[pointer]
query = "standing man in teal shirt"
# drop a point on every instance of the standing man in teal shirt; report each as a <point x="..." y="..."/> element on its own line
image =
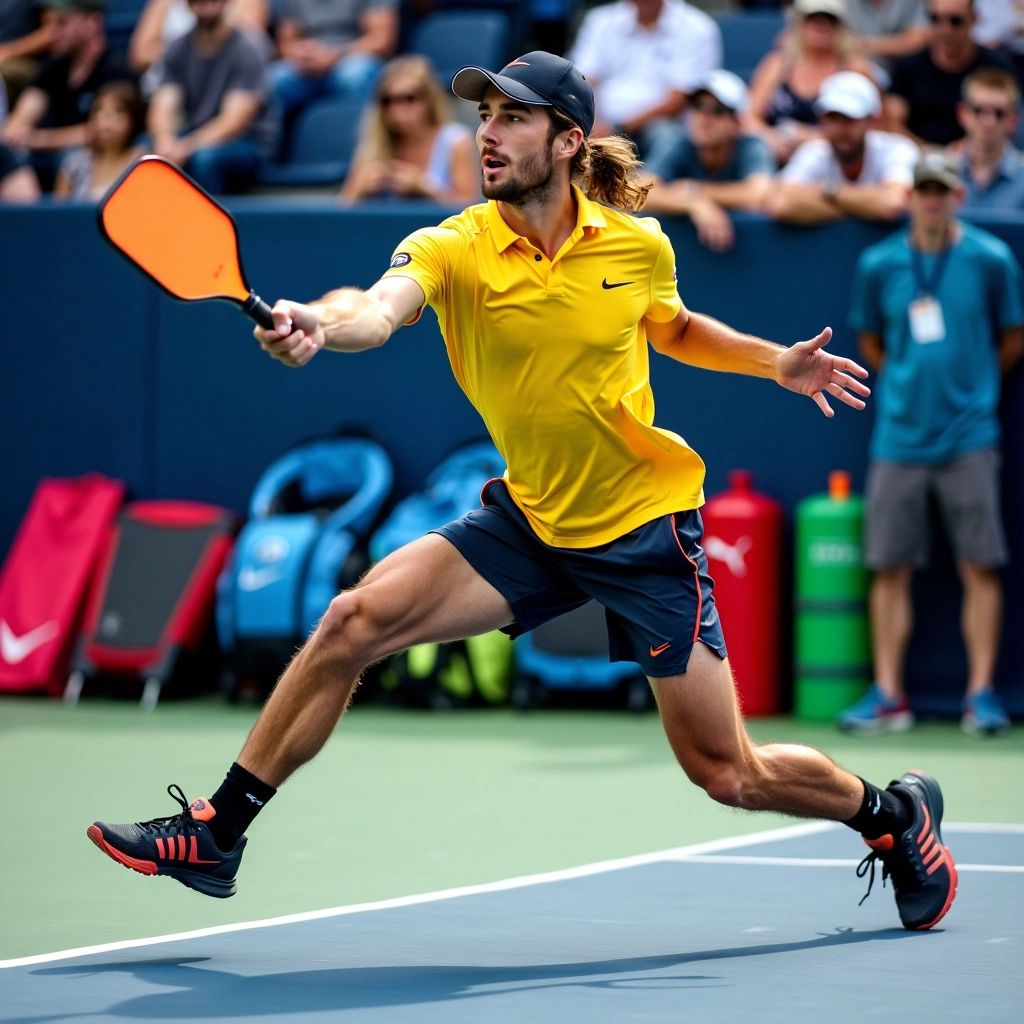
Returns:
<point x="938" y="309"/>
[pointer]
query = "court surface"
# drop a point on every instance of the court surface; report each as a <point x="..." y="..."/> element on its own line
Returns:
<point x="764" y="927"/>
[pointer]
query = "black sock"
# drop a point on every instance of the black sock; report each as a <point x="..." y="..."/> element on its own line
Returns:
<point x="880" y="813"/>
<point x="240" y="798"/>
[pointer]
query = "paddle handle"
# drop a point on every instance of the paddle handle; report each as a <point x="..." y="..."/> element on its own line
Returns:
<point x="256" y="309"/>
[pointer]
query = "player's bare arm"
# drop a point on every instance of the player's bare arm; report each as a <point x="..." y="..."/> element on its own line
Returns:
<point x="344" y="320"/>
<point x="804" y="367"/>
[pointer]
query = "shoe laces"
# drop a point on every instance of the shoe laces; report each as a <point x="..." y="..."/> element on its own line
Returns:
<point x="173" y="822"/>
<point x="868" y="865"/>
<point x="904" y="873"/>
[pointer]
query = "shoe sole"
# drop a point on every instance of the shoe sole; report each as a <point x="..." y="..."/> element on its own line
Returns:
<point x="935" y="806"/>
<point x="191" y="880"/>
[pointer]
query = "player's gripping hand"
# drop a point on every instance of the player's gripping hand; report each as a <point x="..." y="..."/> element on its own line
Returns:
<point x="808" y="370"/>
<point x="297" y="336"/>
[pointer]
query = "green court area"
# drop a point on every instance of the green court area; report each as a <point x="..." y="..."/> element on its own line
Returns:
<point x="399" y="803"/>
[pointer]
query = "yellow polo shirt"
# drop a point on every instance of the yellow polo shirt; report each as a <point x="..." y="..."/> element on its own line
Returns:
<point x="553" y="355"/>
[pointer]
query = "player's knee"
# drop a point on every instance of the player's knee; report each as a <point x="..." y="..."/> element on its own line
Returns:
<point x="345" y="633"/>
<point x="720" y="780"/>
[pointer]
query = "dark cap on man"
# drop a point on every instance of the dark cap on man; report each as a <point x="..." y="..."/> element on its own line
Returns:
<point x="86" y="6"/>
<point x="538" y="79"/>
<point x="937" y="168"/>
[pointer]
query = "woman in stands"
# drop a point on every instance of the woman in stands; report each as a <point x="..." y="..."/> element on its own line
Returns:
<point x="409" y="146"/>
<point x="786" y="82"/>
<point x="116" y="119"/>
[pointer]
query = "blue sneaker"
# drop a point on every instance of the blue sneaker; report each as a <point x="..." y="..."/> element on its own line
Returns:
<point x="984" y="714"/>
<point x="875" y="712"/>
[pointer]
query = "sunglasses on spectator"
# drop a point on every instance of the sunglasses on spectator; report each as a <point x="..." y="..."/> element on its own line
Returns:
<point x="953" y="20"/>
<point x="978" y="109"/>
<point x="400" y="97"/>
<point x="711" y="107"/>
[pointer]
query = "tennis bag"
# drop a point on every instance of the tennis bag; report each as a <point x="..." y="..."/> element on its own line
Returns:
<point x="310" y="515"/>
<point x="472" y="671"/>
<point x="569" y="655"/>
<point x="45" y="579"/>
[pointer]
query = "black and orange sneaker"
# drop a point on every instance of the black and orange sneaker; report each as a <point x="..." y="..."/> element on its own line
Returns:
<point x="180" y="846"/>
<point x="923" y="874"/>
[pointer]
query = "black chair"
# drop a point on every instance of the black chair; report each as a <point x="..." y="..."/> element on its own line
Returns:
<point x="323" y="139"/>
<point x="453" y="39"/>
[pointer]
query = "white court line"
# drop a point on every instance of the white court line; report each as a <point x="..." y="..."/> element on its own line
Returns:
<point x="826" y="862"/>
<point x="681" y="853"/>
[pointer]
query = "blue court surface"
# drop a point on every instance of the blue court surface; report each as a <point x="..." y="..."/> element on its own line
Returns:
<point x="763" y="928"/>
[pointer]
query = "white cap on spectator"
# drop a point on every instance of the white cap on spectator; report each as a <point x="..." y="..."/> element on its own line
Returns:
<point x="849" y="93"/>
<point x="837" y="8"/>
<point x="726" y="87"/>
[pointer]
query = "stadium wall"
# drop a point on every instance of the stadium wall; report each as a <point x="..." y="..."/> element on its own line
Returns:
<point x="104" y="373"/>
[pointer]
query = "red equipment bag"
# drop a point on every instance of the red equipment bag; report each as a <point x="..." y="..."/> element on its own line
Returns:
<point x="742" y="540"/>
<point x="151" y="602"/>
<point x="44" y="579"/>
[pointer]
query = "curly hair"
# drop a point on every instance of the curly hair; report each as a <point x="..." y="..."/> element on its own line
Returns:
<point x="606" y="169"/>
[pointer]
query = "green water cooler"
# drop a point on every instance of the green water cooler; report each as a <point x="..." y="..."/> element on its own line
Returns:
<point x="832" y="647"/>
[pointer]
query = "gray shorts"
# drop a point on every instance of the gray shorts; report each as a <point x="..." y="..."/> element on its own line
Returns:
<point x="966" y="492"/>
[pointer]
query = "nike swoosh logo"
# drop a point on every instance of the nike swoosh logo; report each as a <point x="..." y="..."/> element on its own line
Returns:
<point x="660" y="649"/>
<point x="15" y="649"/>
<point x="257" y="579"/>
<point x="618" y="284"/>
<point x="516" y="64"/>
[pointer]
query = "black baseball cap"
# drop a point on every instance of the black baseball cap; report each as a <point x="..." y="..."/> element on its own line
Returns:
<point x="537" y="78"/>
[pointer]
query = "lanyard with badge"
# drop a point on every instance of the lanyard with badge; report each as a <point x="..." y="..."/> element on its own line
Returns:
<point x="927" y="324"/>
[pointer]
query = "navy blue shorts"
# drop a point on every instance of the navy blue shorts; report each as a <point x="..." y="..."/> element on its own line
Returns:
<point x="653" y="581"/>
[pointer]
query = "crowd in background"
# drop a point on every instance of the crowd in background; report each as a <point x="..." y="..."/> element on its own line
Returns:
<point x="834" y="113"/>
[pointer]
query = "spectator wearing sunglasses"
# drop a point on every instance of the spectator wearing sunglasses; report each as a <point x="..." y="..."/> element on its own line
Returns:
<point x="991" y="165"/>
<point x="711" y="166"/>
<point x="409" y="145"/>
<point x="926" y="85"/>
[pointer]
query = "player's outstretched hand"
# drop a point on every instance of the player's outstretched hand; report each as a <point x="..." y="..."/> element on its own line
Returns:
<point x="809" y="370"/>
<point x="297" y="334"/>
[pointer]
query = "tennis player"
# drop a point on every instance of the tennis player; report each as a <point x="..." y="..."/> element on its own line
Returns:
<point x="548" y="296"/>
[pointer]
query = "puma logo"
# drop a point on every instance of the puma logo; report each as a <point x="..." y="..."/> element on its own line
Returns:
<point x="732" y="554"/>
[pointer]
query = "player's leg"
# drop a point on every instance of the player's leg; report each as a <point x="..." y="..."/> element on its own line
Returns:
<point x="425" y="592"/>
<point x="900" y="824"/>
<point x="702" y="721"/>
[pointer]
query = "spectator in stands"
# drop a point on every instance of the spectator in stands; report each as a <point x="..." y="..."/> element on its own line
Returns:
<point x="888" y="29"/>
<point x="855" y="170"/>
<point x="409" y="145"/>
<point x="331" y="48"/>
<point x="786" y="83"/>
<point x="938" y="312"/>
<point x="163" y="21"/>
<point x="115" y="122"/>
<point x="24" y="41"/>
<point x="643" y="58"/>
<point x="1000" y="26"/>
<point x="50" y="114"/>
<point x="926" y="85"/>
<point x="990" y="164"/>
<point x="18" y="183"/>
<point x="711" y="167"/>
<point x="209" y="112"/>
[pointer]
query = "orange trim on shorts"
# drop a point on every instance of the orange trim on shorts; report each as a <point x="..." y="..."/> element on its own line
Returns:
<point x="696" y="579"/>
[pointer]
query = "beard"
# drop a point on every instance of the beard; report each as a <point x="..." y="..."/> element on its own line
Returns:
<point x="533" y="180"/>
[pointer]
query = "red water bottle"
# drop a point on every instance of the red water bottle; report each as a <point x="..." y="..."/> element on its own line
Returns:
<point x="742" y="540"/>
